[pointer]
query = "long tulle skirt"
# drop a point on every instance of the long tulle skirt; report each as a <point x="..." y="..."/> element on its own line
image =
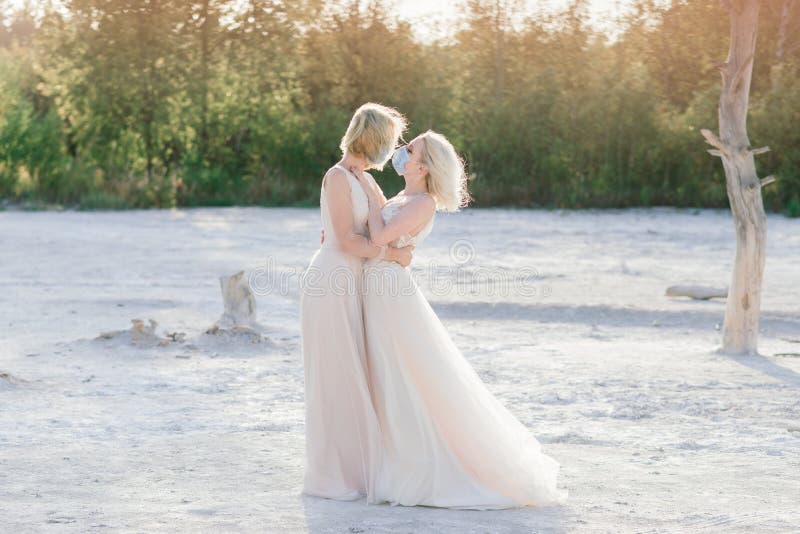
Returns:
<point x="447" y="441"/>
<point x="341" y="427"/>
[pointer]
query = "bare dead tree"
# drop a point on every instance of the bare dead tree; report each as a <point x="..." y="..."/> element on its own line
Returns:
<point x="740" y="328"/>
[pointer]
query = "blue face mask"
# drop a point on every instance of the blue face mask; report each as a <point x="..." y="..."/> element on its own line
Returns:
<point x="382" y="156"/>
<point x="399" y="160"/>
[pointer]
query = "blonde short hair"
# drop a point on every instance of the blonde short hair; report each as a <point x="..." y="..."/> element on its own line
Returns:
<point x="447" y="179"/>
<point x="373" y="133"/>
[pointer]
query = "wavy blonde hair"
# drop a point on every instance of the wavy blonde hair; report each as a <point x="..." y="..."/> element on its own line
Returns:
<point x="446" y="178"/>
<point x="373" y="133"/>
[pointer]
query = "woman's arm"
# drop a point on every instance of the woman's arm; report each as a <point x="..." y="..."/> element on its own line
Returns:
<point x="336" y="187"/>
<point x="411" y="216"/>
<point x="378" y="191"/>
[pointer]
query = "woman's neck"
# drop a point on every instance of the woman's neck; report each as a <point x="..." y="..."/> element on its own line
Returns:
<point x="350" y="160"/>
<point x="415" y="188"/>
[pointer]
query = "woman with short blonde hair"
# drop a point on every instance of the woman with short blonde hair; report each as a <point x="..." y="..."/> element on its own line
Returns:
<point x="373" y="133"/>
<point x="342" y="433"/>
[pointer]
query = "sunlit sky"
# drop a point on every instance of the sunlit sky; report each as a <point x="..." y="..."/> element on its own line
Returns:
<point x="432" y="19"/>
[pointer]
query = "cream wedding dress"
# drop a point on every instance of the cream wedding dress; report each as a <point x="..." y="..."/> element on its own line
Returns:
<point x="341" y="429"/>
<point x="447" y="441"/>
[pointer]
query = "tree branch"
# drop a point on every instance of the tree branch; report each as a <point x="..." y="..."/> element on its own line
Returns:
<point x="761" y="183"/>
<point x="757" y="151"/>
<point x="714" y="141"/>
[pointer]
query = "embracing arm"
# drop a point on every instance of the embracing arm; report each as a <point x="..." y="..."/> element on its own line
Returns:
<point x="411" y="216"/>
<point x="377" y="189"/>
<point x="337" y="188"/>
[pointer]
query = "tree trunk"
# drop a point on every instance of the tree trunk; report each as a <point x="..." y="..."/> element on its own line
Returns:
<point x="240" y="307"/>
<point x="740" y="328"/>
<point x="499" y="23"/>
<point x="205" y="28"/>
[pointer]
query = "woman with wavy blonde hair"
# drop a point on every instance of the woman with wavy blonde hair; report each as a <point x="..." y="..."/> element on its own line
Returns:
<point x="447" y="441"/>
<point x="342" y="434"/>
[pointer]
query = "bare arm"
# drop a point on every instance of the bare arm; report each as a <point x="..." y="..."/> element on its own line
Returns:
<point x="336" y="187"/>
<point x="378" y="191"/>
<point x="411" y="216"/>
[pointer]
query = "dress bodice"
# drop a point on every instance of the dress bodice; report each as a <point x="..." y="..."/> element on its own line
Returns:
<point x="391" y="208"/>
<point x="360" y="204"/>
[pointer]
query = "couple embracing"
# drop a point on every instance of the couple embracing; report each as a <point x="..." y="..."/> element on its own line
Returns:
<point x="393" y="410"/>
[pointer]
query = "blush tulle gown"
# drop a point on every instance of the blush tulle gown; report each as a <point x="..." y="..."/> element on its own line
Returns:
<point x="446" y="440"/>
<point x="341" y="428"/>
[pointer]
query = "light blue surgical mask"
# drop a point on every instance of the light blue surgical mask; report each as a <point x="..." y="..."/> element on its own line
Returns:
<point x="382" y="156"/>
<point x="399" y="160"/>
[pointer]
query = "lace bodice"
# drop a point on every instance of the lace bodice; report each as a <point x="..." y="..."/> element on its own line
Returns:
<point x="391" y="208"/>
<point x="360" y="204"/>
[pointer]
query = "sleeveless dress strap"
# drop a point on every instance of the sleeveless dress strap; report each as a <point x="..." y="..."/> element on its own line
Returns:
<point x="346" y="171"/>
<point x="350" y="176"/>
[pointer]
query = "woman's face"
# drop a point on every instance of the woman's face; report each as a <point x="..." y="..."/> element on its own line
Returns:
<point x="414" y="167"/>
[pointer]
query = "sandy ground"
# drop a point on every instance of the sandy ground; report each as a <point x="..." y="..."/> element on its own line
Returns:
<point x="655" y="431"/>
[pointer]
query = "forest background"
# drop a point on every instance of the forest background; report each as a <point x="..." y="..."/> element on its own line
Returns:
<point x="163" y="103"/>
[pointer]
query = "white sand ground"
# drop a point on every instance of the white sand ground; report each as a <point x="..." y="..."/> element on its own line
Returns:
<point x="655" y="431"/>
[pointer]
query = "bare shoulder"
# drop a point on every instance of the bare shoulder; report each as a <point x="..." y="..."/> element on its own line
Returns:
<point x="423" y="208"/>
<point x="336" y="177"/>
<point x="427" y="202"/>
